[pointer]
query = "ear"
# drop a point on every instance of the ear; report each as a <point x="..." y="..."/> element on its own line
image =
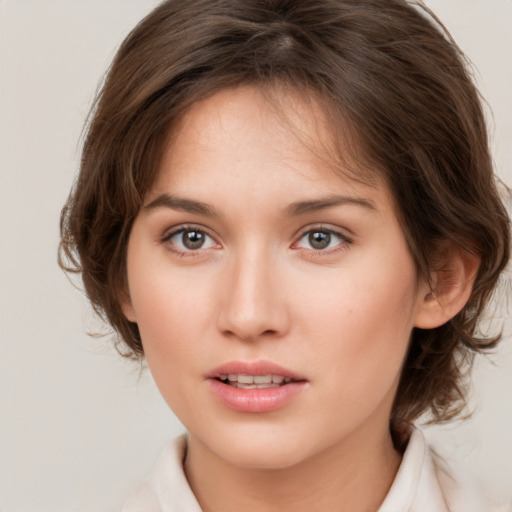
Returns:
<point x="452" y="284"/>
<point x="126" y="305"/>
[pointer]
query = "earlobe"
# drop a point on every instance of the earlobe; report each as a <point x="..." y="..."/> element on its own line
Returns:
<point x="452" y="284"/>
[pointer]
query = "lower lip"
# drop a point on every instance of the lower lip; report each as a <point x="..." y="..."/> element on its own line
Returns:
<point x="255" y="400"/>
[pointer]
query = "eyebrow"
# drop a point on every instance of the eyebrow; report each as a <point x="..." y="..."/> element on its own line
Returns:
<point x="183" y="204"/>
<point x="302" y="207"/>
<point x="295" y="209"/>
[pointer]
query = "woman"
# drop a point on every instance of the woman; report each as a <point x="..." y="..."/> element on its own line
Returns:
<point x="288" y="209"/>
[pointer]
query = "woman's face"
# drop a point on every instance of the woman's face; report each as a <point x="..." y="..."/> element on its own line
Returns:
<point x="253" y="264"/>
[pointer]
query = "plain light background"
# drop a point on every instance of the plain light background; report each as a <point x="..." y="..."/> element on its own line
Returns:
<point x="79" y="427"/>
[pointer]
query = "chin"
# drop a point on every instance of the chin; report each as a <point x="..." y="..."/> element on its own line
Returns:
<point x="260" y="449"/>
<point x="265" y="458"/>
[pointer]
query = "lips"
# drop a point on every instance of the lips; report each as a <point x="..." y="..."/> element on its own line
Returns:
<point x="255" y="387"/>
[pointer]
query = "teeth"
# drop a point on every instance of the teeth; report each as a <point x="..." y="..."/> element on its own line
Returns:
<point x="262" y="379"/>
<point x="254" y="381"/>
<point x="256" y="386"/>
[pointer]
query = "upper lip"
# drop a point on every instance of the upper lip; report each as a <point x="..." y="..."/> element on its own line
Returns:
<point x="261" y="367"/>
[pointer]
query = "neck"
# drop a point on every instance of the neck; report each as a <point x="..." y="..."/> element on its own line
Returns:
<point x="355" y="474"/>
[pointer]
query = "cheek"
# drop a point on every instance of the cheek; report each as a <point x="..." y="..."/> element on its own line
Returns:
<point x="170" y="325"/>
<point x="361" y="322"/>
<point x="165" y="301"/>
<point x="171" y="315"/>
<point x="169" y="307"/>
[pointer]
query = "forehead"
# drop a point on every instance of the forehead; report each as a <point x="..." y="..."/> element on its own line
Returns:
<point x="284" y="139"/>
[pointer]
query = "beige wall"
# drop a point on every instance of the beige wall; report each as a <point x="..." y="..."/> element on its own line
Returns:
<point x="78" y="427"/>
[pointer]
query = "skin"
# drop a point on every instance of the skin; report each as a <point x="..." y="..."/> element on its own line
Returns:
<point x="257" y="290"/>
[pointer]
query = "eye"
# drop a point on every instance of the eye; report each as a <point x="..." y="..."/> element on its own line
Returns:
<point x="322" y="239"/>
<point x="189" y="240"/>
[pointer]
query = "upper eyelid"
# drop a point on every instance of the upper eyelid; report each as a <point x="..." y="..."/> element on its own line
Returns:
<point x="184" y="252"/>
<point x="170" y="232"/>
<point x="344" y="244"/>
<point x="323" y="227"/>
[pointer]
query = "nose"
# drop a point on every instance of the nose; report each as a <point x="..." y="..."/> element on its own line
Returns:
<point x="253" y="303"/>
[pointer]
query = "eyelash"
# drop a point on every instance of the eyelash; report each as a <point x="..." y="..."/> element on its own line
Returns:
<point x="343" y="244"/>
<point x="182" y="229"/>
<point x="343" y="241"/>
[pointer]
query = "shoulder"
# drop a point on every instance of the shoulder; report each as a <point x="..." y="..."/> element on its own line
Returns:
<point x="166" y="489"/>
<point x="143" y="499"/>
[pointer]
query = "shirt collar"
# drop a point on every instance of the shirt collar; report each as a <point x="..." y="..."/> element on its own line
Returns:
<point x="416" y="487"/>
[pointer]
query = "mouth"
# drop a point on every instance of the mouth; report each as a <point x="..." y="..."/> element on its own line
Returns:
<point x="254" y="375"/>
<point x="256" y="386"/>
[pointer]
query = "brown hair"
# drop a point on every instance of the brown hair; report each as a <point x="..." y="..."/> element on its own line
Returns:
<point x="386" y="69"/>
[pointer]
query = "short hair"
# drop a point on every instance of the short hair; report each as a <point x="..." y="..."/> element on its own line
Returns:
<point x="386" y="71"/>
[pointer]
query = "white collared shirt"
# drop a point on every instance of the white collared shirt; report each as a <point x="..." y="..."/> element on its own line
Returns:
<point x="419" y="486"/>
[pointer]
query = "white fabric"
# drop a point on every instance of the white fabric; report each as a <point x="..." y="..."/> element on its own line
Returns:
<point x="419" y="486"/>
